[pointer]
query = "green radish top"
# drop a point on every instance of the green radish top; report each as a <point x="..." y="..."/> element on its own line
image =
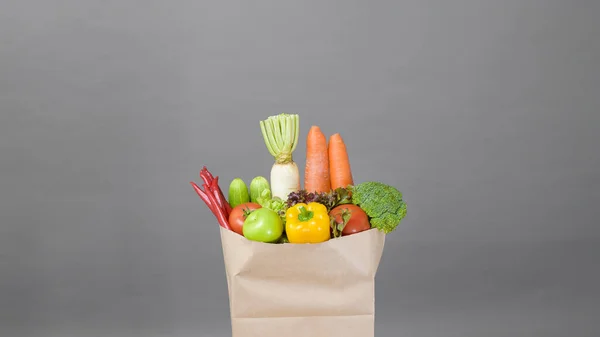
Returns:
<point x="257" y="186"/>
<point x="238" y="192"/>
<point x="280" y="133"/>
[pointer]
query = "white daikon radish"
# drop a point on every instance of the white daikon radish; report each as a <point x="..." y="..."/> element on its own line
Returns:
<point x="280" y="133"/>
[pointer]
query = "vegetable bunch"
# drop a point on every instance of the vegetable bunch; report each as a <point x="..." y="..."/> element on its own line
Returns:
<point x="329" y="205"/>
<point x="213" y="197"/>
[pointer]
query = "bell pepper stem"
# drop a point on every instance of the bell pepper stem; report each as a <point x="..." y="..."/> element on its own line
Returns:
<point x="305" y="215"/>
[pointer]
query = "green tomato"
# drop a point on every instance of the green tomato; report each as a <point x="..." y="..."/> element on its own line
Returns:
<point x="263" y="225"/>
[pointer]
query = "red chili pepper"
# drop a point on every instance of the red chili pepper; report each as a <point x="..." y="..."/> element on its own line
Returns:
<point x="202" y="195"/>
<point x="206" y="178"/>
<point x="216" y="190"/>
<point x="205" y="197"/>
<point x="212" y="189"/>
<point x="208" y="174"/>
<point x="219" y="213"/>
<point x="213" y="185"/>
<point x="213" y="196"/>
<point x="219" y="203"/>
<point x="228" y="208"/>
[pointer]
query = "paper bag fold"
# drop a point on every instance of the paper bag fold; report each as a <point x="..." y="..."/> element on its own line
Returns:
<point x="302" y="290"/>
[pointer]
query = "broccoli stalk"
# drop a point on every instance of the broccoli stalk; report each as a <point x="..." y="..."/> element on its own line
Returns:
<point x="382" y="203"/>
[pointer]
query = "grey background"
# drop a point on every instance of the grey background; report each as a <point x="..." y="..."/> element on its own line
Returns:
<point x="485" y="114"/>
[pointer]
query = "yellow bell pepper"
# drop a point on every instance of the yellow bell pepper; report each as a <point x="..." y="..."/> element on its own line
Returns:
<point x="307" y="223"/>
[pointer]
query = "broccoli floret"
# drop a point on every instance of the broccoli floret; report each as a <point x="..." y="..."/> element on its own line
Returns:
<point x="382" y="203"/>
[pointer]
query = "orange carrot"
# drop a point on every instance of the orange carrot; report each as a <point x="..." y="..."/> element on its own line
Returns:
<point x="339" y="163"/>
<point x="316" y="173"/>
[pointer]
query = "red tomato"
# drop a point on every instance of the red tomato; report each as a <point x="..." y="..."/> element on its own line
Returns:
<point x="359" y="221"/>
<point x="238" y="215"/>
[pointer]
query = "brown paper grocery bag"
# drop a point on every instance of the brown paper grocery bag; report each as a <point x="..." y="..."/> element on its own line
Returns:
<point x="302" y="290"/>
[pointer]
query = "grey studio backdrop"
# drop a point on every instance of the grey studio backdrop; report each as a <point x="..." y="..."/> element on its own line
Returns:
<point x="485" y="114"/>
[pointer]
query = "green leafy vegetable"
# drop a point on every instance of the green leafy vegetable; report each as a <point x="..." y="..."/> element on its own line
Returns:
<point x="276" y="204"/>
<point x="339" y="196"/>
<point x="382" y="203"/>
<point x="338" y="227"/>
